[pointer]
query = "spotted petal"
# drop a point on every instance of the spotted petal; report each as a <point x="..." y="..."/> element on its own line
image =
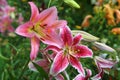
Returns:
<point x="66" y="36"/>
<point x="60" y="63"/>
<point x="76" y="39"/>
<point x="77" y="65"/>
<point x="34" y="48"/>
<point x="82" y="51"/>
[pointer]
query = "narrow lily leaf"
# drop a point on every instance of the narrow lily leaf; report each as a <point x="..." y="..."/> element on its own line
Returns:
<point x="3" y="57"/>
<point x="42" y="72"/>
<point x="103" y="47"/>
<point x="86" y="36"/>
<point x="72" y="3"/>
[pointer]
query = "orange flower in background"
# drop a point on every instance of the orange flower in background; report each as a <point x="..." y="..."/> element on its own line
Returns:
<point x="115" y="30"/>
<point x="109" y="14"/>
<point x="86" y="21"/>
<point x="118" y="2"/>
<point x="117" y="12"/>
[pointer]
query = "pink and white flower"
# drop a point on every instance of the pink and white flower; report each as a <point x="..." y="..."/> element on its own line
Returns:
<point x="45" y="64"/>
<point x="70" y="53"/>
<point x="83" y="77"/>
<point x="102" y="64"/>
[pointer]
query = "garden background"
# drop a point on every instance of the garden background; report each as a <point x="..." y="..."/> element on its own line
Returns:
<point x="15" y="50"/>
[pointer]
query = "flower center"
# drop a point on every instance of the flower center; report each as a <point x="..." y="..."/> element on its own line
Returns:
<point x="68" y="50"/>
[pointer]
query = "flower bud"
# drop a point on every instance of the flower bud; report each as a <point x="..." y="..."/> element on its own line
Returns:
<point x="72" y="3"/>
<point x="103" y="47"/>
<point x="86" y="36"/>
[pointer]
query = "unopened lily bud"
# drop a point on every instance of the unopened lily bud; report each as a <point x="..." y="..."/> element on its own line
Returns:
<point x="12" y="34"/>
<point x="104" y="63"/>
<point x="86" y="36"/>
<point x="103" y="47"/>
<point x="12" y="15"/>
<point x="72" y="3"/>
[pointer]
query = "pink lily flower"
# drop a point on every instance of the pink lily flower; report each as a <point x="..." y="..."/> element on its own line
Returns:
<point x="102" y="64"/>
<point x="70" y="52"/>
<point x="45" y="64"/>
<point x="3" y="3"/>
<point x="41" y="26"/>
<point x="82" y="77"/>
<point x="5" y="24"/>
<point x="8" y="10"/>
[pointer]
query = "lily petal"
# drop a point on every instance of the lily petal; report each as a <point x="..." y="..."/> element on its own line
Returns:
<point x="58" y="24"/>
<point x="10" y="29"/>
<point x="51" y="47"/>
<point x="66" y="36"/>
<point x="52" y="39"/>
<point x="82" y="51"/>
<point x="59" y="77"/>
<point x="98" y="76"/>
<point x="82" y="77"/>
<point x="34" y="11"/>
<point x="77" y="65"/>
<point x="60" y="63"/>
<point x="104" y="63"/>
<point x="42" y="62"/>
<point x="76" y="39"/>
<point x="79" y="77"/>
<point x="89" y="73"/>
<point x="48" y="16"/>
<point x="34" y="48"/>
<point x="24" y="30"/>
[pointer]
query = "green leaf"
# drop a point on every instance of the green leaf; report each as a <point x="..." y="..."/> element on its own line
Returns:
<point x="42" y="72"/>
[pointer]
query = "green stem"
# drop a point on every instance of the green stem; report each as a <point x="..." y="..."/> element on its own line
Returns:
<point x="49" y="3"/>
<point x="23" y="69"/>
